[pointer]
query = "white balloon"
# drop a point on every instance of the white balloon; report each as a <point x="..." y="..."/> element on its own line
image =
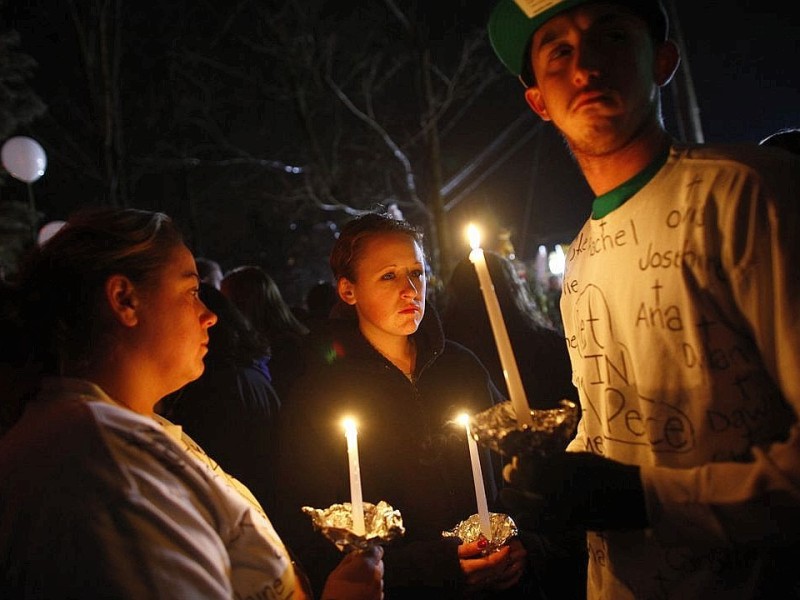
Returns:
<point x="48" y="230"/>
<point x="24" y="158"/>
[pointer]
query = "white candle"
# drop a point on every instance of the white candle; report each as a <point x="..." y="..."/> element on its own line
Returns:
<point x="356" y="501"/>
<point x="510" y="371"/>
<point x="477" y="476"/>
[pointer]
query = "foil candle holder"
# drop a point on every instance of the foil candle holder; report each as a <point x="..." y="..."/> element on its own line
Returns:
<point x="502" y="529"/>
<point x="550" y="430"/>
<point x="382" y="524"/>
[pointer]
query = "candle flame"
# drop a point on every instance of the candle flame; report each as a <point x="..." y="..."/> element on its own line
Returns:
<point x="349" y="425"/>
<point x="474" y="236"/>
<point x="463" y="419"/>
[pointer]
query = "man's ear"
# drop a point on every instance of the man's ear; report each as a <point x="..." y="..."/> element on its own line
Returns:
<point x="668" y="57"/>
<point x="534" y="99"/>
<point x="123" y="300"/>
<point x="346" y="292"/>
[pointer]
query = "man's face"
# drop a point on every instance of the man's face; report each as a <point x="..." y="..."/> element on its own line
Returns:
<point x="595" y="76"/>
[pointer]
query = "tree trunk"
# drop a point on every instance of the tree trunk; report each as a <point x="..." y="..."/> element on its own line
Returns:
<point x="687" y="112"/>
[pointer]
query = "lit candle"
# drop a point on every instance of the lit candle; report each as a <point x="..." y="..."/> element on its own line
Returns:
<point x="477" y="476"/>
<point x="510" y="371"/>
<point x="356" y="502"/>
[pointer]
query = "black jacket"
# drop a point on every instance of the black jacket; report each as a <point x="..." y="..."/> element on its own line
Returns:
<point x="412" y="454"/>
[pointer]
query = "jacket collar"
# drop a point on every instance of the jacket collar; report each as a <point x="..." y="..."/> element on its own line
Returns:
<point x="348" y="341"/>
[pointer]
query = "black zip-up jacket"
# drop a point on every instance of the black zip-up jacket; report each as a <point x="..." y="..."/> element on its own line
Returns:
<point x="412" y="455"/>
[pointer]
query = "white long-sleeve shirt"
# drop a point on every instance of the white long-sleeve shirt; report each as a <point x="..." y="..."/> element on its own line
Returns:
<point x="682" y="314"/>
<point x="98" y="501"/>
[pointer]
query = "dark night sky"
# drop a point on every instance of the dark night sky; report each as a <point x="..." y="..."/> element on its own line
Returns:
<point x="743" y="62"/>
<point x="742" y="58"/>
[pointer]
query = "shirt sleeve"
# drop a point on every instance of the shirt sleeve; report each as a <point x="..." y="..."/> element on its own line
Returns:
<point x="754" y="502"/>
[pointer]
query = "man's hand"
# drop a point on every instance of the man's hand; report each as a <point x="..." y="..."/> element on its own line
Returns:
<point x="574" y="490"/>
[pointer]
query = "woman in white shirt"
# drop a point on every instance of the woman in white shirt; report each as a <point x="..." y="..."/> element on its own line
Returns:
<point x="100" y="497"/>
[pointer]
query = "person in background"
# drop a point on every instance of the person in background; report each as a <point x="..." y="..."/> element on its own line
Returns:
<point x="320" y="299"/>
<point x="99" y="496"/>
<point x="231" y="410"/>
<point x="552" y="302"/>
<point x="540" y="351"/>
<point x="209" y="270"/>
<point x="681" y="305"/>
<point x="258" y="297"/>
<point x="383" y="360"/>
<point x="787" y="138"/>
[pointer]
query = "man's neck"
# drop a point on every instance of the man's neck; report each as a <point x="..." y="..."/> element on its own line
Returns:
<point x="605" y="172"/>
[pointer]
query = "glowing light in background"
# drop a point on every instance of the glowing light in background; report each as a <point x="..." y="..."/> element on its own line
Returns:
<point x="556" y="260"/>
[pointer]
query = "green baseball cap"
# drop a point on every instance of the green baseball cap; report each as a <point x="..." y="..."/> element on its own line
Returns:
<point x="513" y="22"/>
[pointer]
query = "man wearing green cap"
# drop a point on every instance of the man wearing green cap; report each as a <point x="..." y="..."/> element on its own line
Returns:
<point x="681" y="309"/>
